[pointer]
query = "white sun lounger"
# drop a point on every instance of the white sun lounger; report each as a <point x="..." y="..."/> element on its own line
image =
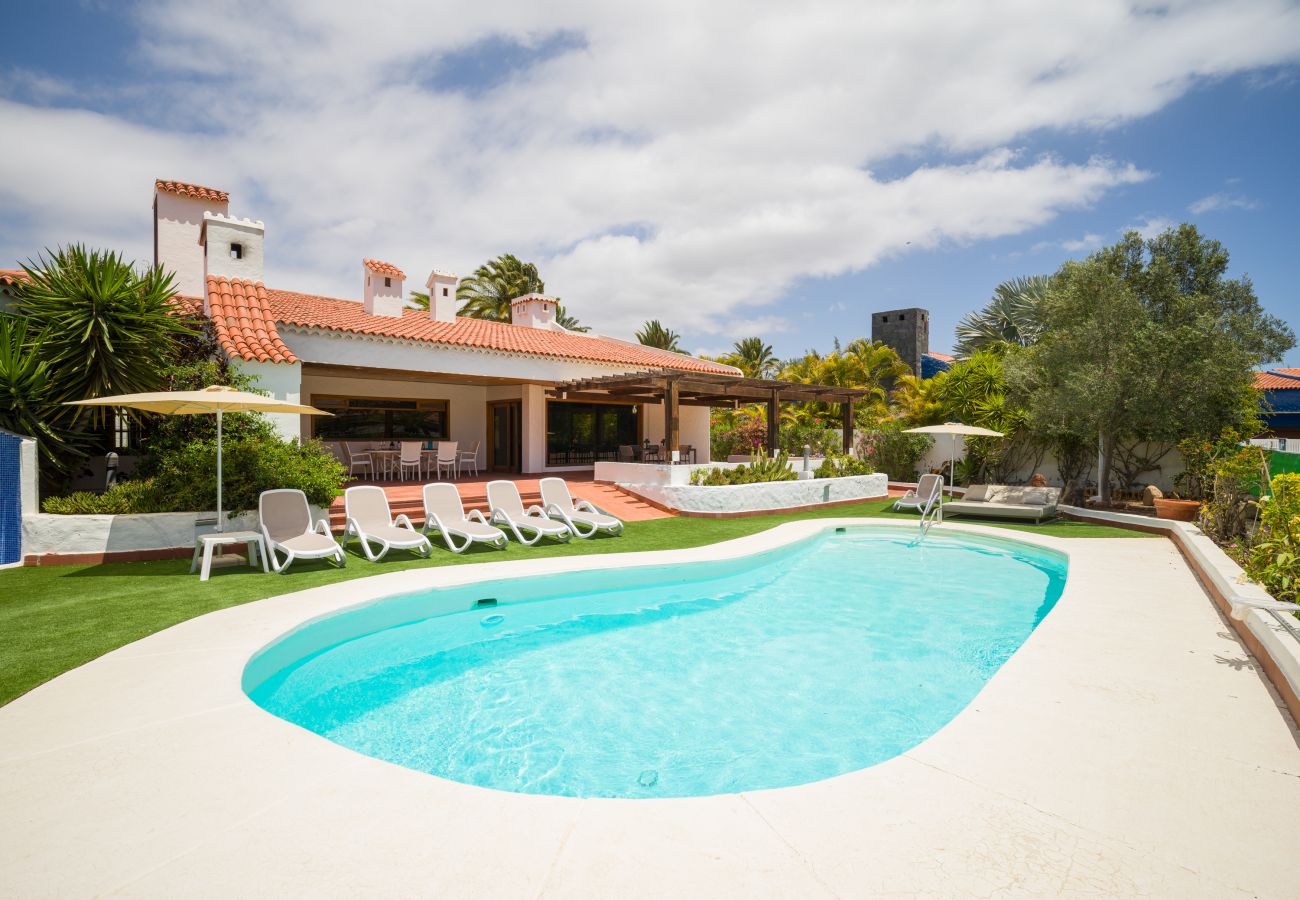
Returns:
<point x="285" y="520"/>
<point x="557" y="502"/>
<point x="444" y="511"/>
<point x="928" y="492"/>
<point x="508" y="509"/>
<point x="371" y="521"/>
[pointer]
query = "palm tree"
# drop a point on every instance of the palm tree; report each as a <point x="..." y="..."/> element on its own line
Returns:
<point x="654" y="334"/>
<point x="566" y="321"/>
<point x="418" y="299"/>
<point x="487" y="293"/>
<point x="753" y="357"/>
<point x="1013" y="317"/>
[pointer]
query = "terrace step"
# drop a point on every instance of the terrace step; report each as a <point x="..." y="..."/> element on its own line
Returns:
<point x="413" y="507"/>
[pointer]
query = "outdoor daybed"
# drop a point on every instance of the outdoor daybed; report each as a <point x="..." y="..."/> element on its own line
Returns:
<point x="1035" y="504"/>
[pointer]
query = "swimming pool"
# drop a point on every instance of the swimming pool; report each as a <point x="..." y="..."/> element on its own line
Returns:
<point x="823" y="657"/>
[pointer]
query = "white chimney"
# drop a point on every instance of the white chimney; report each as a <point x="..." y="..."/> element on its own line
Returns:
<point x="442" y="296"/>
<point x="178" y="210"/>
<point x="231" y="247"/>
<point x="534" y="311"/>
<point x="383" y="295"/>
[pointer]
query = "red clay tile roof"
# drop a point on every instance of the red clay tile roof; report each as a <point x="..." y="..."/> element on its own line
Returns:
<point x="244" y="325"/>
<point x="383" y="268"/>
<point x="197" y="191"/>
<point x="9" y="276"/>
<point x="942" y="356"/>
<point x="1278" y="380"/>
<point x="249" y="330"/>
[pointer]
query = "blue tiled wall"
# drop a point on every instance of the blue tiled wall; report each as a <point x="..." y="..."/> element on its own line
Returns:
<point x="11" y="510"/>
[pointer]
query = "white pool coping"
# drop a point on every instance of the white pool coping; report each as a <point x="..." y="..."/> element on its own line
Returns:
<point x="1129" y="747"/>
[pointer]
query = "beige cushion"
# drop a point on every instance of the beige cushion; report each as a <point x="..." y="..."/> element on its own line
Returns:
<point x="1036" y="496"/>
<point x="976" y="493"/>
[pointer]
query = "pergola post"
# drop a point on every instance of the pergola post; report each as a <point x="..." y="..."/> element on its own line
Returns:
<point x="773" y="423"/>
<point x="672" y="420"/>
<point x="846" y="413"/>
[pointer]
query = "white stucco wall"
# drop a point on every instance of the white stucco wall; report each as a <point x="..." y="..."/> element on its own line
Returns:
<point x="466" y="403"/>
<point x="534" y="428"/>
<point x="772" y="495"/>
<point x="693" y="427"/>
<point x="177" y="221"/>
<point x="284" y="382"/>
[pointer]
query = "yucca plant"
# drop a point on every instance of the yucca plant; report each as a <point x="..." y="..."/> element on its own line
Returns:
<point x="100" y="325"/>
<point x="27" y="406"/>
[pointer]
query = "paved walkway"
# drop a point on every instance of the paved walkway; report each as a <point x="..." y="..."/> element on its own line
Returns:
<point x="1129" y="748"/>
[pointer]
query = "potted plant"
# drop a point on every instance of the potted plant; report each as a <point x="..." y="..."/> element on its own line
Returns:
<point x="1176" y="509"/>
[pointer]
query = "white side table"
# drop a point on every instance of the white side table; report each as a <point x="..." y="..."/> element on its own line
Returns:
<point x="206" y="545"/>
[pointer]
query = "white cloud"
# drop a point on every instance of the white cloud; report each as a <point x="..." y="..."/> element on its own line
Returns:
<point x="680" y="160"/>
<point x="1222" y="201"/>
<point x="1151" y="226"/>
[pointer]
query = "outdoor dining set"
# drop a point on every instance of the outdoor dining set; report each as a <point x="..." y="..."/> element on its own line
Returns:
<point x="404" y="460"/>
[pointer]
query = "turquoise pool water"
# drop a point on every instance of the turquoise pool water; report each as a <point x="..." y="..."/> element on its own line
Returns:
<point x="822" y="658"/>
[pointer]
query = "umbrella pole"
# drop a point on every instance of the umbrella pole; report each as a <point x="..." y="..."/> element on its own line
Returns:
<point x="221" y="525"/>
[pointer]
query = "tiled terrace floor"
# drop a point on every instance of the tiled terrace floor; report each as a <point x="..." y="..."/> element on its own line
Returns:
<point x="406" y="496"/>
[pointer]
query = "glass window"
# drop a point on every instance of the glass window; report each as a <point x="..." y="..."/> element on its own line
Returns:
<point x="376" y="419"/>
<point x="580" y="433"/>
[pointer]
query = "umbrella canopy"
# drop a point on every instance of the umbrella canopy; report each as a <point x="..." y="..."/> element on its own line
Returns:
<point x="953" y="429"/>
<point x="214" y="400"/>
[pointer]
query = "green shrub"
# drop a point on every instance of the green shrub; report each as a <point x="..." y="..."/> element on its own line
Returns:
<point x="890" y="450"/>
<point x="762" y="469"/>
<point x="840" y="466"/>
<point x="823" y="441"/>
<point x="185" y="479"/>
<point x="122" y="499"/>
<point x="1274" y="558"/>
<point x="188" y="474"/>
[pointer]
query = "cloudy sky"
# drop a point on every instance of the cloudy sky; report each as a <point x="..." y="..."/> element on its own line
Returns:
<point x="727" y="167"/>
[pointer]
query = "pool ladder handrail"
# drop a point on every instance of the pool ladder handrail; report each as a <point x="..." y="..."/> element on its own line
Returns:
<point x="933" y="511"/>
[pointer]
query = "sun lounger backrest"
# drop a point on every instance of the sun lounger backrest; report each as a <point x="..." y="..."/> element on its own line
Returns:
<point x="504" y="495"/>
<point x="556" y="490"/>
<point x="928" y="485"/>
<point x="284" y="513"/>
<point x="443" y="500"/>
<point x="368" y="505"/>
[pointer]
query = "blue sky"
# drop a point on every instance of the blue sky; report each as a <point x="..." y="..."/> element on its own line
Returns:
<point x="785" y="177"/>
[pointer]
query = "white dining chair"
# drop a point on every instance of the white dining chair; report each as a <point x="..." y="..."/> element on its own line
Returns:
<point x="411" y="460"/>
<point x="468" y="458"/>
<point x="447" y="459"/>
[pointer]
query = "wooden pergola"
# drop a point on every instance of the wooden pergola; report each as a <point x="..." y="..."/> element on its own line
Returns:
<point x="675" y="389"/>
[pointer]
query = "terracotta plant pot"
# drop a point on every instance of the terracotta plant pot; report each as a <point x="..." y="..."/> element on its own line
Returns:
<point x="1178" y="510"/>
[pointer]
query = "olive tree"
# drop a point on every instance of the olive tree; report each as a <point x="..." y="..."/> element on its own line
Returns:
<point x="1148" y="340"/>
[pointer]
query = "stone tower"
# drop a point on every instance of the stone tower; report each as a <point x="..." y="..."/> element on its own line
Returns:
<point x="907" y="331"/>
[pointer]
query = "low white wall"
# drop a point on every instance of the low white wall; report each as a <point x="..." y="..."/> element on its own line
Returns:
<point x="45" y="533"/>
<point x="770" y="495"/>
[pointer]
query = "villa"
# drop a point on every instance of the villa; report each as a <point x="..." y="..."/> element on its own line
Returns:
<point x="388" y="371"/>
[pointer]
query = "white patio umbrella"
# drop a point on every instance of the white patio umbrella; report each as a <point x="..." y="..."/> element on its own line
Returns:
<point x="952" y="429"/>
<point x="217" y="399"/>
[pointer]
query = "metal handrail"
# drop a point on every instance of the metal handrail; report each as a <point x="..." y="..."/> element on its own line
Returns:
<point x="933" y="511"/>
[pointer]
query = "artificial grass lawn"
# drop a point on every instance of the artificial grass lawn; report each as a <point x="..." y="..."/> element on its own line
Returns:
<point x="55" y="618"/>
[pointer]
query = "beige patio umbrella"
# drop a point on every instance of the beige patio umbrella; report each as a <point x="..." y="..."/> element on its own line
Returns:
<point x="952" y="429"/>
<point x="217" y="399"/>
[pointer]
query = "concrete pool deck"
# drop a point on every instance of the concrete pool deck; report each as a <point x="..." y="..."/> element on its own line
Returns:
<point x="1129" y="748"/>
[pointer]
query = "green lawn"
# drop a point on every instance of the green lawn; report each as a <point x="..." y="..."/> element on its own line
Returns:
<point x="55" y="618"/>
